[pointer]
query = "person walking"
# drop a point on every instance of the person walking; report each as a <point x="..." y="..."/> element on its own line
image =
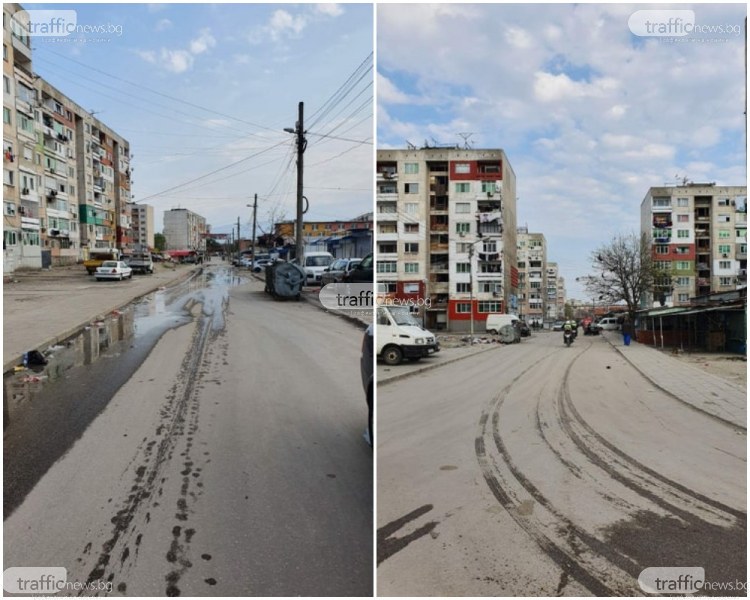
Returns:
<point x="628" y="331"/>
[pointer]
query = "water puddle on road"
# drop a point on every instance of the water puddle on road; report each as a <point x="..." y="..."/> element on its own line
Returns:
<point x="47" y="407"/>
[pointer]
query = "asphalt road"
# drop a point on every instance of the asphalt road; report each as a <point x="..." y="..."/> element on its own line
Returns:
<point x="232" y="463"/>
<point x="540" y="470"/>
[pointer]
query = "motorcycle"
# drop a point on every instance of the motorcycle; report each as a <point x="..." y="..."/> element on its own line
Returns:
<point x="568" y="337"/>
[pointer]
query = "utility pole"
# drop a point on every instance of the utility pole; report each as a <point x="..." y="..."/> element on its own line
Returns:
<point x="238" y="238"/>
<point x="255" y="216"/>
<point x="299" y="130"/>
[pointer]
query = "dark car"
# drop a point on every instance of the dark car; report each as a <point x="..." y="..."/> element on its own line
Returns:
<point x="366" y="370"/>
<point x="361" y="273"/>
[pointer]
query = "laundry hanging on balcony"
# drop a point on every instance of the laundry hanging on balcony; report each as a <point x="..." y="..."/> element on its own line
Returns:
<point x="490" y="217"/>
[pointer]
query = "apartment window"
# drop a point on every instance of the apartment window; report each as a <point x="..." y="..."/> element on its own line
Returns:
<point x="30" y="238"/>
<point x="462" y="168"/>
<point x="28" y="181"/>
<point x="387" y="248"/>
<point x="411" y="227"/>
<point x="662" y="265"/>
<point x="725" y="264"/>
<point x="27" y="153"/>
<point x="683" y="218"/>
<point x="682" y="265"/>
<point x="463" y="308"/>
<point x="387" y="188"/>
<point x="682" y="250"/>
<point x="489" y="307"/>
<point x="463" y="267"/>
<point x="724" y="248"/>
<point x="741" y="233"/>
<point x="382" y="208"/>
<point x="384" y="227"/>
<point x="683" y="202"/>
<point x="682" y="281"/>
<point x="490" y="287"/>
<point x="387" y="266"/>
<point x="661" y="202"/>
<point x="411" y="248"/>
<point x="411" y="288"/>
<point x="411" y="168"/>
<point x="489" y="247"/>
<point x="722" y="218"/>
<point x="683" y="233"/>
<point x="10" y="238"/>
<point x="661" y="249"/>
<point x="8" y="177"/>
<point x="6" y="116"/>
<point x="387" y="287"/>
<point x="10" y="209"/>
<point x="489" y="187"/>
<point x="463" y="187"/>
<point x="6" y="85"/>
<point x="725" y="281"/>
<point x="463" y="288"/>
<point x="411" y="267"/>
<point x="411" y="188"/>
<point x="463" y="227"/>
<point x="411" y="208"/>
<point x="683" y="297"/>
<point x="722" y="202"/>
<point x="724" y="234"/>
<point x="463" y="247"/>
<point x="463" y="207"/>
<point x="25" y="124"/>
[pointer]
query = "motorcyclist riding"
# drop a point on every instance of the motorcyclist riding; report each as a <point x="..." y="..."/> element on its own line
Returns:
<point x="569" y="328"/>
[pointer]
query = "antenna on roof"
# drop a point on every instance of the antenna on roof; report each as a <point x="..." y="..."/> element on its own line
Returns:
<point x="466" y="136"/>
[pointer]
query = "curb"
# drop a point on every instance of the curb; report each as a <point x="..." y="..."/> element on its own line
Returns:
<point x="437" y="366"/>
<point x="8" y="366"/>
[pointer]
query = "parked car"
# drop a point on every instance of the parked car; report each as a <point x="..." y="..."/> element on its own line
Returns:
<point x="338" y="269"/>
<point x="591" y="328"/>
<point x="245" y="262"/>
<point x="366" y="370"/>
<point x="608" y="324"/>
<point x="558" y="325"/>
<point x="362" y="272"/>
<point x="260" y="264"/>
<point x="113" y="269"/>
<point x="315" y="263"/>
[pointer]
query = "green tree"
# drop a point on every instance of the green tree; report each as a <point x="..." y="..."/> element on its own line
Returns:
<point x="160" y="242"/>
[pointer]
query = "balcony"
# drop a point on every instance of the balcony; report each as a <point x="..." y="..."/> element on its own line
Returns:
<point x="439" y="287"/>
<point x="387" y="197"/>
<point x="739" y="252"/>
<point x="21" y="48"/>
<point x="439" y="267"/>
<point x="439" y="248"/>
<point x="387" y="175"/>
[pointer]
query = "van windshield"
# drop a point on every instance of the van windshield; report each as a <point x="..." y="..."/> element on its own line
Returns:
<point x="402" y="316"/>
<point x="317" y="261"/>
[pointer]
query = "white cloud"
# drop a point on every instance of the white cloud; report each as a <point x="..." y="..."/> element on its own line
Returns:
<point x="147" y="55"/>
<point x="163" y="25"/>
<point x="203" y="42"/>
<point x="518" y="38"/>
<point x="330" y="10"/>
<point x="705" y="136"/>
<point x="284" y="23"/>
<point x="177" y="61"/>
<point x="388" y="93"/>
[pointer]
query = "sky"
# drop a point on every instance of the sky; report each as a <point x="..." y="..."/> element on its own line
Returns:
<point x="589" y="114"/>
<point x="198" y="87"/>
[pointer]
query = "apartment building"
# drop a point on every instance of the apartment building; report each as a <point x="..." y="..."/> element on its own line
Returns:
<point x="66" y="175"/>
<point x="552" y="309"/>
<point x="532" y="275"/>
<point x="446" y="235"/>
<point x="699" y="235"/>
<point x="22" y="207"/>
<point x="184" y="230"/>
<point x="142" y="218"/>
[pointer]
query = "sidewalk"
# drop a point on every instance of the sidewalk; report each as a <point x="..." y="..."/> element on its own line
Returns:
<point x="708" y="393"/>
<point x="41" y="308"/>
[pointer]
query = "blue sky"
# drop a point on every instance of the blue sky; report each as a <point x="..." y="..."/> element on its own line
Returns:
<point x="589" y="114"/>
<point x="250" y="64"/>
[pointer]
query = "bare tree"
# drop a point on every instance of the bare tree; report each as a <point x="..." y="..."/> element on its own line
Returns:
<point x="625" y="270"/>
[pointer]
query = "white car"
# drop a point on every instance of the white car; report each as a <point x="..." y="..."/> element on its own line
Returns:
<point x="113" y="269"/>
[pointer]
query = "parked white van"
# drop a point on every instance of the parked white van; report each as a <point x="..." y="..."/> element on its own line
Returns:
<point x="315" y="264"/>
<point x="399" y="335"/>
<point x="608" y="323"/>
<point x="497" y="320"/>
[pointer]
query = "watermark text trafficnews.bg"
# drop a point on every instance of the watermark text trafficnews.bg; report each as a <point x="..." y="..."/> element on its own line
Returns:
<point x="360" y="296"/>
<point x="47" y="581"/>
<point x="62" y="23"/>
<point x="684" y="580"/>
